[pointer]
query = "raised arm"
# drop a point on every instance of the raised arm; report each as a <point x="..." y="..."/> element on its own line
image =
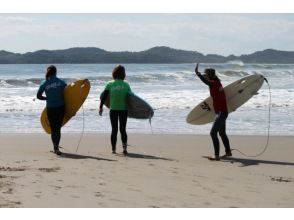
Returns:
<point x="202" y="78"/>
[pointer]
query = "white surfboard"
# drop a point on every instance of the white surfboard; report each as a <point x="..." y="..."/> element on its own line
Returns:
<point x="237" y="93"/>
<point x="137" y="107"/>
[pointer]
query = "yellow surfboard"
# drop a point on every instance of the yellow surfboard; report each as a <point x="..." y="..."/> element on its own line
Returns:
<point x="74" y="96"/>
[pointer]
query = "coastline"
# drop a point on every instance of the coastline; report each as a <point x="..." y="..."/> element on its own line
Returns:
<point x="162" y="170"/>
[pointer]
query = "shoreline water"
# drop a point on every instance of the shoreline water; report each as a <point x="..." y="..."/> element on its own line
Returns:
<point x="172" y="90"/>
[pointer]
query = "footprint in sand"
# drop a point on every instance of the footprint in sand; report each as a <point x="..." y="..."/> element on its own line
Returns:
<point x="98" y="194"/>
<point x="134" y="190"/>
<point x="56" y="187"/>
<point x="49" y="170"/>
<point x="207" y="203"/>
<point x="13" y="168"/>
<point x="175" y="170"/>
<point x="153" y="206"/>
<point x="71" y="186"/>
<point x="9" y="191"/>
<point x="74" y="196"/>
<point x="282" y="179"/>
<point x="10" y="204"/>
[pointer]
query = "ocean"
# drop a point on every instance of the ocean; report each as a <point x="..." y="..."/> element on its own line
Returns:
<point x="171" y="89"/>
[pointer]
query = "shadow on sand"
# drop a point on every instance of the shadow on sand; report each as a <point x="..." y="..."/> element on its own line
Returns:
<point x="79" y="156"/>
<point x="144" y="156"/>
<point x="253" y="162"/>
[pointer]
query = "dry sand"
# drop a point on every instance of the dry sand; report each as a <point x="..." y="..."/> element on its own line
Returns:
<point x="160" y="171"/>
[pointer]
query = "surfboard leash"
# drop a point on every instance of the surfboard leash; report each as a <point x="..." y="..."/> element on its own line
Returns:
<point x="268" y="128"/>
<point x="83" y="130"/>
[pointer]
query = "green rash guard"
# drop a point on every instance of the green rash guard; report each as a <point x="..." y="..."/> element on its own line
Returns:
<point x="118" y="90"/>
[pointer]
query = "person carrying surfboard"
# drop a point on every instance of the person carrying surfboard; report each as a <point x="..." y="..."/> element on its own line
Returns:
<point x="117" y="90"/>
<point x="53" y="88"/>
<point x="220" y="107"/>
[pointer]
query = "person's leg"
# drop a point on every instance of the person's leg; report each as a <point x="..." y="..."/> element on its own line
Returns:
<point x="213" y="133"/>
<point x="60" y="115"/>
<point x="223" y="134"/>
<point x="123" y="117"/>
<point x="55" y="117"/>
<point x="52" y="121"/>
<point x="114" y="126"/>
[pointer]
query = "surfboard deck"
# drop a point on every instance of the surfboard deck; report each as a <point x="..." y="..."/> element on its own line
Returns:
<point x="237" y="93"/>
<point x="138" y="108"/>
<point x="74" y="96"/>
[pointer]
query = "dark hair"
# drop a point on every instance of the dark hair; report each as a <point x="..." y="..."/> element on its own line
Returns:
<point x="119" y="72"/>
<point x="210" y="72"/>
<point x="51" y="71"/>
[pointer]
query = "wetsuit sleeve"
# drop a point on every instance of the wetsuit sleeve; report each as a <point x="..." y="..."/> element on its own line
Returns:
<point x="129" y="88"/>
<point x="204" y="80"/>
<point x="103" y="97"/>
<point x="40" y="93"/>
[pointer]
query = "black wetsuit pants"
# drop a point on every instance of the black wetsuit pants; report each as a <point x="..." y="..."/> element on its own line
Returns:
<point x="120" y="116"/>
<point x="219" y="126"/>
<point x="55" y="117"/>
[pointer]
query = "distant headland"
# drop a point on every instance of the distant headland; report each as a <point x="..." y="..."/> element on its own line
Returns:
<point x="160" y="54"/>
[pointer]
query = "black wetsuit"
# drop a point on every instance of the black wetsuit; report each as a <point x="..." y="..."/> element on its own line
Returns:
<point x="53" y="88"/>
<point x="219" y="124"/>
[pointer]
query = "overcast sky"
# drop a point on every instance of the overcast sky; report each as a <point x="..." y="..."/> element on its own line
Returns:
<point x="222" y="34"/>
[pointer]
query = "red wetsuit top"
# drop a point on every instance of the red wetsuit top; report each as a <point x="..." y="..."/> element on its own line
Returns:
<point x="218" y="96"/>
<point x="217" y="93"/>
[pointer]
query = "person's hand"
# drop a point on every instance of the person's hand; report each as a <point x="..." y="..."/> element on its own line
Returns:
<point x="196" y="70"/>
<point x="100" y="111"/>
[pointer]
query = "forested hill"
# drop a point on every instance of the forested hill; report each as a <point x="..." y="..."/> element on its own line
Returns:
<point x="153" y="55"/>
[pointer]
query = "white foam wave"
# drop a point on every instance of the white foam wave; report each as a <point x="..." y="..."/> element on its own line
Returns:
<point x="236" y="63"/>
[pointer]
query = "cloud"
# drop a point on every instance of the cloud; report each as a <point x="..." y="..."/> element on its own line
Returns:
<point x="207" y="33"/>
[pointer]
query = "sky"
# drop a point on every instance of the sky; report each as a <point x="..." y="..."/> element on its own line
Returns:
<point x="207" y="33"/>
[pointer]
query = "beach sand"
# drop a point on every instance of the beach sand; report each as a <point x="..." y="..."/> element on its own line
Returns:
<point x="160" y="171"/>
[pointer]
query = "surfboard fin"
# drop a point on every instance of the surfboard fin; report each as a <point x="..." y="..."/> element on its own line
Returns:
<point x="150" y="125"/>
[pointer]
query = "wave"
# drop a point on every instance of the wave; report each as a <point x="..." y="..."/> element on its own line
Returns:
<point x="31" y="82"/>
<point x="101" y="80"/>
<point x="235" y="63"/>
<point x="149" y="77"/>
<point x="235" y="73"/>
<point x="10" y="83"/>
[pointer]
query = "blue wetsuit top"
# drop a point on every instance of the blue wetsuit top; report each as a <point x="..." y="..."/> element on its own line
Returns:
<point x="53" y="88"/>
